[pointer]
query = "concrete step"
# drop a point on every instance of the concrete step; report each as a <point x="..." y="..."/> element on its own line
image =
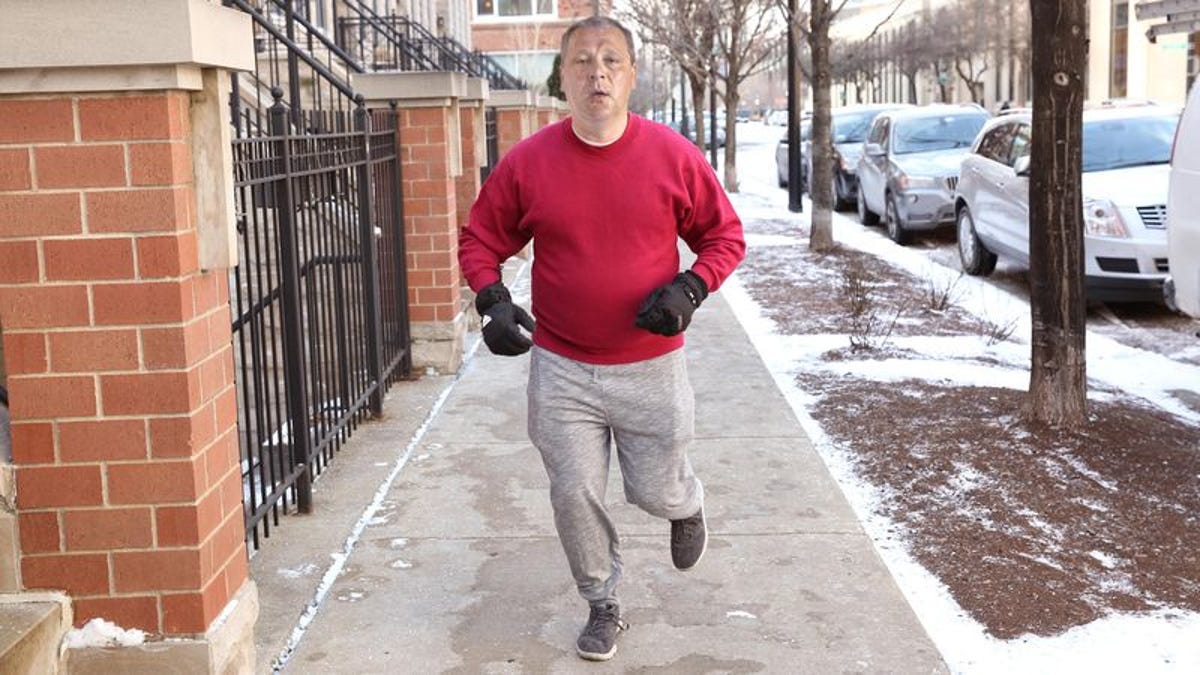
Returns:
<point x="30" y="635"/>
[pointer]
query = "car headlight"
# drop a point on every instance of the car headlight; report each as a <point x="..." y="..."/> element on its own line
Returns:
<point x="1102" y="219"/>
<point x="905" y="181"/>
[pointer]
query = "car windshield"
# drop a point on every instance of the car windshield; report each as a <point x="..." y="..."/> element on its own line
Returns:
<point x="944" y="132"/>
<point x="1133" y="141"/>
<point x="852" y="127"/>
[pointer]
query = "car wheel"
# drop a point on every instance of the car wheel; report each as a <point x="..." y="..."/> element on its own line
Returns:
<point x="977" y="260"/>
<point x="895" y="227"/>
<point x="865" y="215"/>
<point x="782" y="179"/>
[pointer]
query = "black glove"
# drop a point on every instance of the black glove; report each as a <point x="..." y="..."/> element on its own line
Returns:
<point x="668" y="309"/>
<point x="502" y="321"/>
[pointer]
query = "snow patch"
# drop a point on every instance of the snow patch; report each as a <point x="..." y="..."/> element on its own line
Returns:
<point x="740" y="614"/>
<point x="103" y="633"/>
<point x="1105" y="559"/>
<point x="297" y="572"/>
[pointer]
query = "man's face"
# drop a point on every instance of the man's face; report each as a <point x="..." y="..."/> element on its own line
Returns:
<point x="598" y="74"/>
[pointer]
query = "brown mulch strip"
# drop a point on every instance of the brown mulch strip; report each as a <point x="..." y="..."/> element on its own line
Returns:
<point x="1032" y="529"/>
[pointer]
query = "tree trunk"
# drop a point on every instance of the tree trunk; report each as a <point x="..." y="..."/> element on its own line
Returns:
<point x="820" y="238"/>
<point x="1058" y="381"/>
<point x="699" y="88"/>
<point x="731" y="100"/>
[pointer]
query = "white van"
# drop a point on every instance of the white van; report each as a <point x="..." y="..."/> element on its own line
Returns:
<point x="1183" y="212"/>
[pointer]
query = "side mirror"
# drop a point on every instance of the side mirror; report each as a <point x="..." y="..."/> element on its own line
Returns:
<point x="1021" y="166"/>
<point x="873" y="150"/>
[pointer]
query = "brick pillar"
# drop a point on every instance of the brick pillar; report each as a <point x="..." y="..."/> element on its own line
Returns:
<point x="474" y="146"/>
<point x="120" y="365"/>
<point x="515" y="113"/>
<point x="545" y="111"/>
<point x="432" y="161"/>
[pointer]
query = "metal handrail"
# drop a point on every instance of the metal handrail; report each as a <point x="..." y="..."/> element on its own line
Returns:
<point x="464" y="60"/>
<point x="313" y="31"/>
<point x="337" y="82"/>
<point x="382" y="27"/>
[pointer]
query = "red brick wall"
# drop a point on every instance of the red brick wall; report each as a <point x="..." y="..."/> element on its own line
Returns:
<point x="430" y="213"/>
<point x="120" y="367"/>
<point x="511" y="125"/>
<point x="471" y="120"/>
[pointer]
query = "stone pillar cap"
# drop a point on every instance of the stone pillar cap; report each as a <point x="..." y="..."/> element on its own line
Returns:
<point x="411" y="88"/>
<point x="477" y="90"/>
<point x="511" y="98"/>
<point x="75" y="33"/>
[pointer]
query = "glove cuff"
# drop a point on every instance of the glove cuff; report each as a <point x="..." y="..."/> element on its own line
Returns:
<point x="694" y="286"/>
<point x="491" y="295"/>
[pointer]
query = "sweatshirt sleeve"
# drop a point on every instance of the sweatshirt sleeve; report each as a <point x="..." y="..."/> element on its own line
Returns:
<point x="712" y="230"/>
<point x="493" y="233"/>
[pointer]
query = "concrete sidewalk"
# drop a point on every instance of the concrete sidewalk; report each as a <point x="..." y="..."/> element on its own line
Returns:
<point x="461" y="570"/>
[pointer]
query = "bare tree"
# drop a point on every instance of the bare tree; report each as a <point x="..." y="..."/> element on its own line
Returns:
<point x="687" y="30"/>
<point x="911" y="56"/>
<point x="746" y="37"/>
<point x="970" y="40"/>
<point x="1058" y="380"/>
<point x="820" y="17"/>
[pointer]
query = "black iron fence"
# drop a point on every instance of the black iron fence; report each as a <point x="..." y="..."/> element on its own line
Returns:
<point x="319" y="297"/>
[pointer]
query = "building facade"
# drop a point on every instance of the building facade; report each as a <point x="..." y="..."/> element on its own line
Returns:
<point x="523" y="35"/>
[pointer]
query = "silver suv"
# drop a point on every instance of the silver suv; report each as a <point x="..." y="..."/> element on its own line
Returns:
<point x="909" y="166"/>
<point x="1125" y="155"/>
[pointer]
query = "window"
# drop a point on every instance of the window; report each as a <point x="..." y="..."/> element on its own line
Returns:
<point x="1020" y="145"/>
<point x="879" y="132"/>
<point x="533" y="67"/>
<point x="1120" y="50"/>
<point x="995" y="144"/>
<point x="944" y="132"/>
<point x="507" y="8"/>
<point x="1136" y="141"/>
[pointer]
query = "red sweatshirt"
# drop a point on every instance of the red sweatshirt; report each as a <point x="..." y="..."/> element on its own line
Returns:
<point x="605" y="223"/>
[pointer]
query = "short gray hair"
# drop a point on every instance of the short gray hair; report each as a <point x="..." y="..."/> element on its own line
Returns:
<point x="599" y="22"/>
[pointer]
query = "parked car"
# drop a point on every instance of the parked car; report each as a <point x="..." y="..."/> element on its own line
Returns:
<point x="850" y="127"/>
<point x="777" y="118"/>
<point x="1183" y="212"/>
<point x="781" y="155"/>
<point x="692" y="129"/>
<point x="909" y="166"/>
<point x="1125" y="164"/>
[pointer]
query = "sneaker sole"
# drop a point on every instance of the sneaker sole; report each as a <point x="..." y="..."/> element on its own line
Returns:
<point x="594" y="656"/>
<point x="700" y="557"/>
<point x="703" y="549"/>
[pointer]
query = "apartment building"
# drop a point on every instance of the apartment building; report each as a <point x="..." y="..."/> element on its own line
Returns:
<point x="523" y="35"/>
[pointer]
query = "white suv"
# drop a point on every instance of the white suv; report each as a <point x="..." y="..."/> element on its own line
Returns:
<point x="1183" y="212"/>
<point x="1125" y="154"/>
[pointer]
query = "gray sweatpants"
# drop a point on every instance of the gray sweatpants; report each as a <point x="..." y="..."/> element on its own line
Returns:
<point x="577" y="411"/>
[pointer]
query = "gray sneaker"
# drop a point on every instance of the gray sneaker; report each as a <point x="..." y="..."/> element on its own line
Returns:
<point x="689" y="540"/>
<point x="598" y="641"/>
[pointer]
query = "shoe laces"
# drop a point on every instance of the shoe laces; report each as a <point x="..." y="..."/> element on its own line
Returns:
<point x="685" y="529"/>
<point x="603" y="615"/>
